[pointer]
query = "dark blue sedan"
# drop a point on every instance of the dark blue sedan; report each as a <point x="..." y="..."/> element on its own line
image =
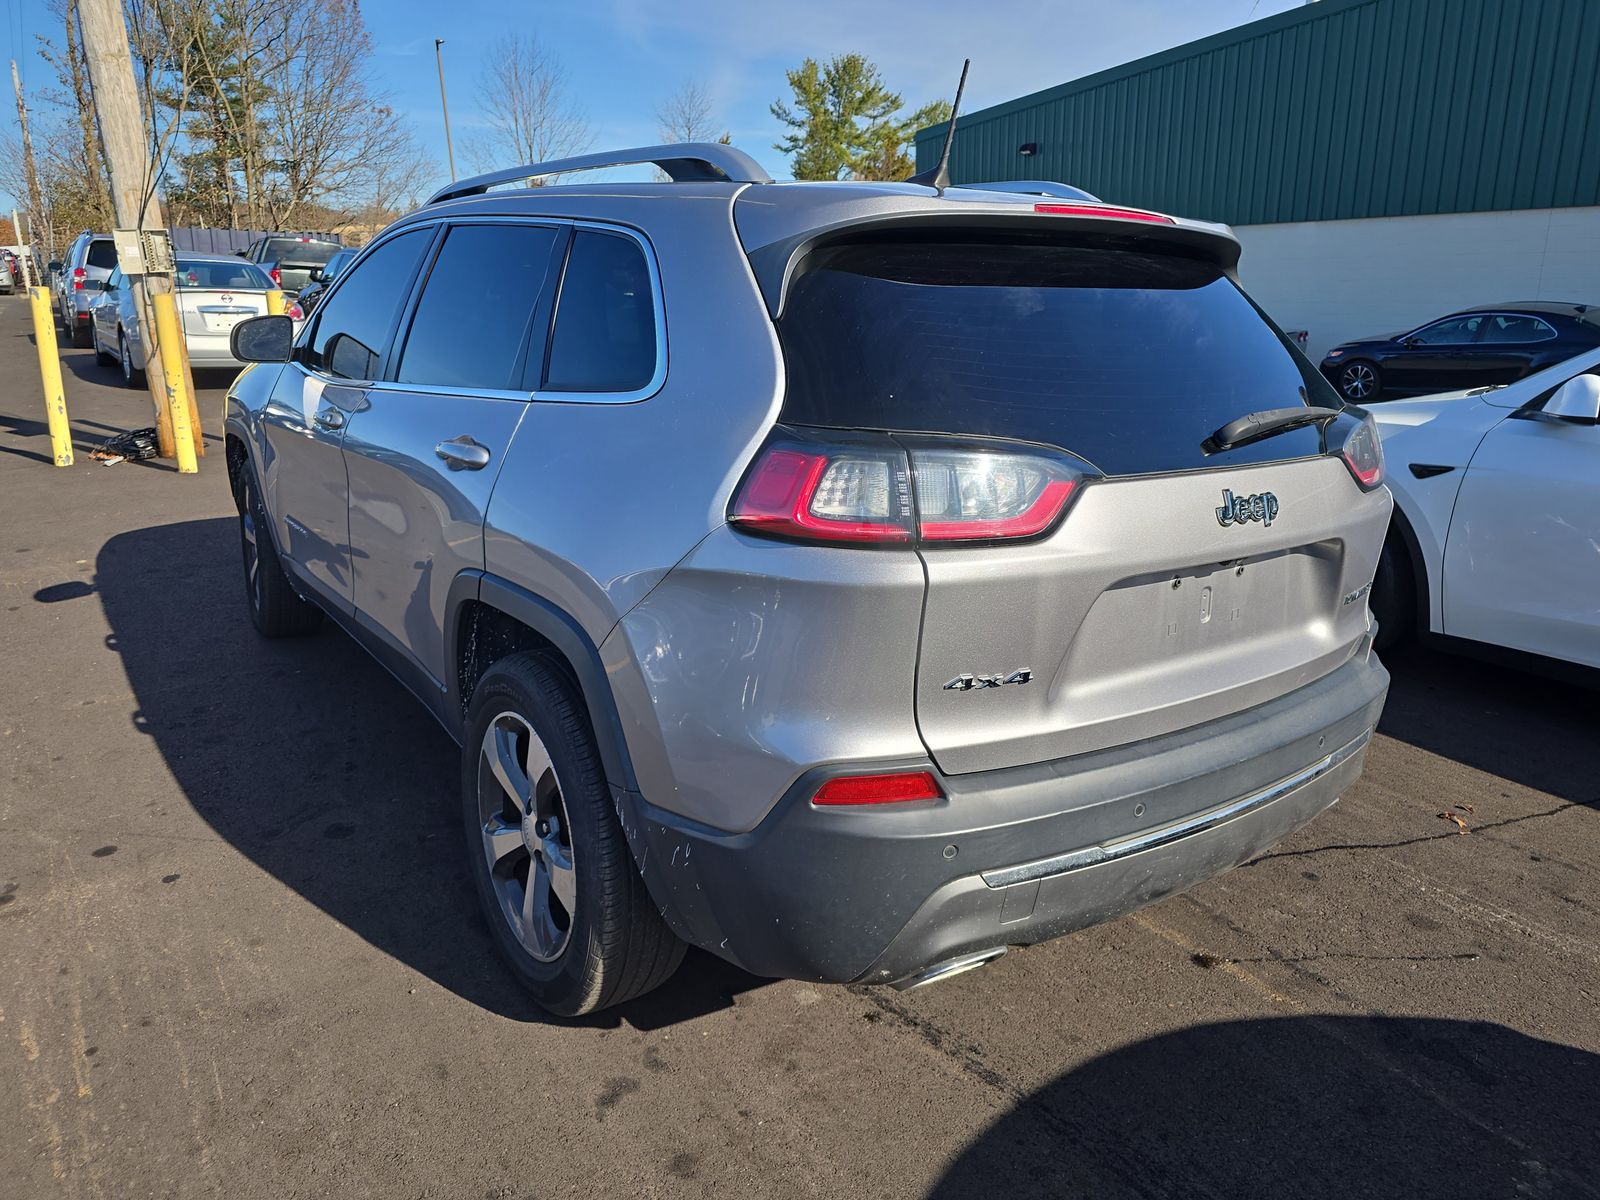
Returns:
<point x="1479" y="347"/>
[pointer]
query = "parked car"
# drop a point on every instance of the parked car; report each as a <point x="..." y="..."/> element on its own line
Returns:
<point x="10" y="278"/>
<point x="1497" y="516"/>
<point x="77" y="278"/>
<point x="215" y="292"/>
<point x="322" y="278"/>
<point x="853" y="580"/>
<point x="1478" y="347"/>
<point x="290" y="258"/>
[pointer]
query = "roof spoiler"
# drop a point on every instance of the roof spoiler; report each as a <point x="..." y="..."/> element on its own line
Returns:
<point x="683" y="162"/>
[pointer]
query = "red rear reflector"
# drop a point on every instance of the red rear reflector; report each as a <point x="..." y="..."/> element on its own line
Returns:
<point x="1104" y="210"/>
<point x="879" y="789"/>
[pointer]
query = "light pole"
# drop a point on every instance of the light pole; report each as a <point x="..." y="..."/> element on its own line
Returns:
<point x="438" y="57"/>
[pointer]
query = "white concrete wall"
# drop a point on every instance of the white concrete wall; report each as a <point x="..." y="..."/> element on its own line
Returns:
<point x="1342" y="280"/>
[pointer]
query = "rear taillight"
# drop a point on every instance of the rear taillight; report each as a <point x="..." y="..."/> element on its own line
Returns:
<point x="277" y="279"/>
<point x="78" y="276"/>
<point x="903" y="490"/>
<point x="1104" y="210"/>
<point x="896" y="788"/>
<point x="1363" y="454"/>
<point x="294" y="312"/>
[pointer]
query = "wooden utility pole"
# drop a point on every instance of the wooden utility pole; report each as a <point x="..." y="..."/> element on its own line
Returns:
<point x="133" y="176"/>
<point x="35" y="197"/>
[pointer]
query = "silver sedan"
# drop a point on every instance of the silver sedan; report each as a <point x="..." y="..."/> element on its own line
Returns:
<point x="215" y="292"/>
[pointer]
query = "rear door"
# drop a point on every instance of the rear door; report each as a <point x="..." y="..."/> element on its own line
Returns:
<point x="1182" y="585"/>
<point x="314" y="402"/>
<point x="425" y="453"/>
<point x="1506" y="348"/>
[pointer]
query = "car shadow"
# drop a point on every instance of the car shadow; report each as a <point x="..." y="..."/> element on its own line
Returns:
<point x="312" y="761"/>
<point x="1511" y="723"/>
<point x="1307" y="1107"/>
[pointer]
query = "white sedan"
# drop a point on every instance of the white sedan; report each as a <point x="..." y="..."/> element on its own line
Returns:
<point x="1496" y="533"/>
<point x="215" y="292"/>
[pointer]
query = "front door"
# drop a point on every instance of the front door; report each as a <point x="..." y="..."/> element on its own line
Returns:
<point x="1520" y="564"/>
<point x="426" y="454"/>
<point x="318" y="399"/>
<point x="1433" y="358"/>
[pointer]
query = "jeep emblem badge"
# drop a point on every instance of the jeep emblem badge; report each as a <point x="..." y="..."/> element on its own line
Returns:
<point x="1236" y="510"/>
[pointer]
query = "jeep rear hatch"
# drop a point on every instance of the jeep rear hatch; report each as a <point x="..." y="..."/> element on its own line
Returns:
<point x="1058" y="396"/>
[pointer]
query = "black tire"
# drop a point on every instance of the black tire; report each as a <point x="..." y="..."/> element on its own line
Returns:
<point x="276" y="609"/>
<point x="132" y="377"/>
<point x="614" y="945"/>
<point x="1394" y="596"/>
<point x="1359" y="381"/>
<point x="79" y="333"/>
<point x="101" y="357"/>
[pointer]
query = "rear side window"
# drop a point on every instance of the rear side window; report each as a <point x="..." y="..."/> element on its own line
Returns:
<point x="605" y="330"/>
<point x="1129" y="359"/>
<point x="102" y="254"/>
<point x="472" y="325"/>
<point x="354" y="324"/>
<point x="1509" y="327"/>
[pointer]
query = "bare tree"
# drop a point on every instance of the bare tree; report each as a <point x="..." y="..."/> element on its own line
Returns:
<point x="524" y="100"/>
<point x="685" y="116"/>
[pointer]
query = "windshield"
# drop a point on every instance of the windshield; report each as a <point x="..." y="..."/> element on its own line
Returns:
<point x="221" y="276"/>
<point x="300" y="250"/>
<point x="1127" y="358"/>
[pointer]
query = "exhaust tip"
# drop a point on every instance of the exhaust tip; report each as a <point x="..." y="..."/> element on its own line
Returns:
<point x="948" y="968"/>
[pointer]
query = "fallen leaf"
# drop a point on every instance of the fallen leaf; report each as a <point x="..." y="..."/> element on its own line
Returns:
<point x="1461" y="826"/>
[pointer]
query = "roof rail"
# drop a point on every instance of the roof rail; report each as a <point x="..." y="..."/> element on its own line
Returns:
<point x="684" y="162"/>
<point x="1032" y="187"/>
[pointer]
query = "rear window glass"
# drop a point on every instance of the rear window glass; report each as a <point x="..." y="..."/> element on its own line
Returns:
<point x="297" y="251"/>
<point x="1126" y="358"/>
<point x="472" y="326"/>
<point x="221" y="275"/>
<point x="102" y="254"/>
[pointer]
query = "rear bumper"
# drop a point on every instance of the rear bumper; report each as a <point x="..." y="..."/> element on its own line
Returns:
<point x="1010" y="857"/>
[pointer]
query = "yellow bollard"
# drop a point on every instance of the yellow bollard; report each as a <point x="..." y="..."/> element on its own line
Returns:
<point x="275" y="303"/>
<point x="55" y="400"/>
<point x="172" y="367"/>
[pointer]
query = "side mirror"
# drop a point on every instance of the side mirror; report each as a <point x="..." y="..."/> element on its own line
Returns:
<point x="241" y="254"/>
<point x="268" y="339"/>
<point x="315" y="274"/>
<point x="1576" y="401"/>
<point x="55" y="266"/>
<point x="1411" y="341"/>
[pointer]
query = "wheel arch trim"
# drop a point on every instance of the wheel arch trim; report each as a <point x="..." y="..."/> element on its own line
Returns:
<point x="558" y="627"/>
<point x="1422" y="587"/>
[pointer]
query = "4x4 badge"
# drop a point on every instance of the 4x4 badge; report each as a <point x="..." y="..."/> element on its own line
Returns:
<point x="972" y="683"/>
<point x="1236" y="510"/>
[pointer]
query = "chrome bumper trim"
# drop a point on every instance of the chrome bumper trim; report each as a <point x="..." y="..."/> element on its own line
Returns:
<point x="1089" y="856"/>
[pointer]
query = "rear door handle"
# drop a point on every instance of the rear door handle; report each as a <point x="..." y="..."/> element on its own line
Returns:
<point x="463" y="454"/>
<point x="330" y="418"/>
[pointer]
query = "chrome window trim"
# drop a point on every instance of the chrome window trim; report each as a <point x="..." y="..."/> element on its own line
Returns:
<point x="1089" y="856"/>
<point x="657" y="379"/>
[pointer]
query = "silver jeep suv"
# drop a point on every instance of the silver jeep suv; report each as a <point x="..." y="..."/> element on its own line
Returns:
<point x="854" y="580"/>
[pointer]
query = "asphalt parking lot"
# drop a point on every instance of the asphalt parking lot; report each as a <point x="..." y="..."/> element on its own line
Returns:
<point x="240" y="955"/>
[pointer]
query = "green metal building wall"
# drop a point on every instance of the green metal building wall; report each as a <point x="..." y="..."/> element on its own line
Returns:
<point x="1340" y="109"/>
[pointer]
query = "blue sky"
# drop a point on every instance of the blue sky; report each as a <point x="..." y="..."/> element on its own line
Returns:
<point x="624" y="57"/>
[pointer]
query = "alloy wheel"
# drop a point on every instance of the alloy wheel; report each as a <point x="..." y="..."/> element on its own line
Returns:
<point x="249" y="534"/>
<point x="1357" y="381"/>
<point x="125" y="359"/>
<point x="527" y="841"/>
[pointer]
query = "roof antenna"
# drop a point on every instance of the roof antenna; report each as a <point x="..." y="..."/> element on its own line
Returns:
<point x="939" y="178"/>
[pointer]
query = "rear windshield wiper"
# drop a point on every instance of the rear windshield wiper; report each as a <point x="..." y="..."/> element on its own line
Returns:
<point x="1252" y="427"/>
